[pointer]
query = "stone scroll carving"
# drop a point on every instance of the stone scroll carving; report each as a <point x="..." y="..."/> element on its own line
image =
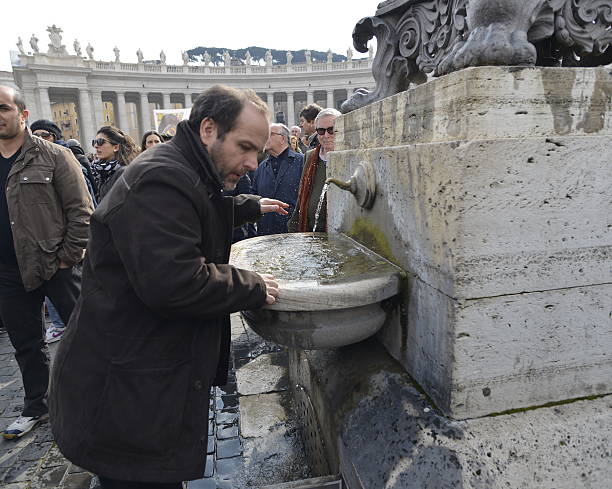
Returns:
<point x="420" y="37"/>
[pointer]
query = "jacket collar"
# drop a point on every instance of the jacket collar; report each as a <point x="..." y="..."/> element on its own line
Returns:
<point x="188" y="142"/>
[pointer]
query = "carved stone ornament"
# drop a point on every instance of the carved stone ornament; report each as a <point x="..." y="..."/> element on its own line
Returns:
<point x="56" y="47"/>
<point x="418" y="37"/>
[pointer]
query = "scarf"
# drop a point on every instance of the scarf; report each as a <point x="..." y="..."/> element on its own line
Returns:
<point x="306" y="189"/>
<point x="104" y="170"/>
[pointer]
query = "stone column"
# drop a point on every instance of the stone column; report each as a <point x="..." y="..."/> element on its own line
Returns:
<point x="309" y="97"/>
<point x="166" y="100"/>
<point x="270" y="98"/>
<point x="86" y="121"/>
<point x="45" y="104"/>
<point x="290" y="109"/>
<point x="330" y="98"/>
<point x="98" y="108"/>
<point x="188" y="102"/>
<point x="145" y="114"/>
<point x="31" y="101"/>
<point x="121" y="109"/>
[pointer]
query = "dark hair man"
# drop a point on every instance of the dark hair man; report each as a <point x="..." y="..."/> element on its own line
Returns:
<point x="278" y="177"/>
<point x="307" y="122"/>
<point x="150" y="335"/>
<point x="44" y="220"/>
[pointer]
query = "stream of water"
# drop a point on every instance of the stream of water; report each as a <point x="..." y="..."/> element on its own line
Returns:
<point x="316" y="219"/>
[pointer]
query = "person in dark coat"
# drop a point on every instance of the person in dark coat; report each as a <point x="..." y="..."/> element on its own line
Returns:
<point x="278" y="177"/>
<point x="150" y="334"/>
<point x="247" y="230"/>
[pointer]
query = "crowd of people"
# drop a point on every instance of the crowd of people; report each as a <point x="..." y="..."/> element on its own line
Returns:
<point x="129" y="250"/>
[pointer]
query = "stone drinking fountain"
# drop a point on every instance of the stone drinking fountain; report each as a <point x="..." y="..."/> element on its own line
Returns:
<point x="493" y="364"/>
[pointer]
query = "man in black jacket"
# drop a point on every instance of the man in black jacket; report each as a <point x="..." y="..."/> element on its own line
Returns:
<point x="150" y="334"/>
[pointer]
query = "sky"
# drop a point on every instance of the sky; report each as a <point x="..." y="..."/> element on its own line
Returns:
<point x="179" y="25"/>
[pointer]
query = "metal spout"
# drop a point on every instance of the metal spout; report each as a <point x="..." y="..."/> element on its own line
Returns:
<point x="341" y="184"/>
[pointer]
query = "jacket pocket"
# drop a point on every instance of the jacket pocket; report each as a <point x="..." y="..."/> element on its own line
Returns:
<point x="48" y="258"/>
<point x="141" y="410"/>
<point x="35" y="186"/>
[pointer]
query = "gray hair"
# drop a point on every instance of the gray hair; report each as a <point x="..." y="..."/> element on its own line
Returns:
<point x="296" y="127"/>
<point x="283" y="128"/>
<point x="326" y="113"/>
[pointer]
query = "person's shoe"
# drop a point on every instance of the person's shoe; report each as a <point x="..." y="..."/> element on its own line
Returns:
<point x="54" y="334"/>
<point x="22" y="425"/>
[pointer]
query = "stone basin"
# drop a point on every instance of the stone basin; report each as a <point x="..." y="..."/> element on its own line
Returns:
<point x="331" y="288"/>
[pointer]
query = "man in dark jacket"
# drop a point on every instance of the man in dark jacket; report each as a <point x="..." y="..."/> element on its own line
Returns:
<point x="278" y="177"/>
<point x="150" y="334"/>
<point x="44" y="222"/>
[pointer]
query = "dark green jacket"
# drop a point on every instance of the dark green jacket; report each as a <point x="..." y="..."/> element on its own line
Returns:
<point x="49" y="208"/>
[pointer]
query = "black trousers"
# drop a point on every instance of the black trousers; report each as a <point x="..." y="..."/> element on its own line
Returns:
<point x="21" y="313"/>
<point x="117" y="484"/>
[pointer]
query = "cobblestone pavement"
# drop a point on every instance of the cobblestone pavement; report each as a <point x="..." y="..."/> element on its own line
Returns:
<point x="34" y="461"/>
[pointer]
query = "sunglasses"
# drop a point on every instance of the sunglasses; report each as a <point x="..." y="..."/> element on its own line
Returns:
<point x="43" y="134"/>
<point x="321" y="130"/>
<point x="99" y="142"/>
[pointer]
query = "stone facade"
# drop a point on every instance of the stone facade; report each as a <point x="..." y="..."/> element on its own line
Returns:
<point x="138" y="88"/>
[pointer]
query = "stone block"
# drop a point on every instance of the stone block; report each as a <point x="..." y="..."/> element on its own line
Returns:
<point x="386" y="434"/>
<point x="493" y="195"/>
<point x="487" y="102"/>
<point x="266" y="373"/>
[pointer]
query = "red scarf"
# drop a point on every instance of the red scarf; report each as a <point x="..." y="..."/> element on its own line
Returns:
<point x="306" y="189"/>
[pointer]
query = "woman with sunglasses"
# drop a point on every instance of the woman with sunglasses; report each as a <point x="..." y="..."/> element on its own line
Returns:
<point x="114" y="150"/>
<point x="313" y="178"/>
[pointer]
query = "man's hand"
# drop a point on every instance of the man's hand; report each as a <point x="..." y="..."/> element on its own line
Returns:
<point x="272" y="205"/>
<point x="271" y="287"/>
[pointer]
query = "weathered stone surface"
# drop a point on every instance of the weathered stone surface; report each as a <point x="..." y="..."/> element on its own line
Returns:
<point x="486" y="102"/>
<point x="266" y="373"/>
<point x="387" y="435"/>
<point x="493" y="193"/>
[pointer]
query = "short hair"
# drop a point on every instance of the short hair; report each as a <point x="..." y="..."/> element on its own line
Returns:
<point x="18" y="98"/>
<point x="295" y="127"/>
<point x="310" y="112"/>
<point x="223" y="105"/>
<point x="284" y="130"/>
<point x="326" y="113"/>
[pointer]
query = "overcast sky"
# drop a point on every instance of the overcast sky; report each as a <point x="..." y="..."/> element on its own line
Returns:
<point x="178" y="25"/>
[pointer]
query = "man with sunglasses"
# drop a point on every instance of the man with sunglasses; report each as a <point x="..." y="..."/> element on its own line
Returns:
<point x="313" y="177"/>
<point x="44" y="223"/>
<point x="278" y="177"/>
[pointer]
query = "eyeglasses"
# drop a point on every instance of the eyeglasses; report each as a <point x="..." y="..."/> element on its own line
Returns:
<point x="321" y="130"/>
<point x="99" y="142"/>
<point x="43" y="134"/>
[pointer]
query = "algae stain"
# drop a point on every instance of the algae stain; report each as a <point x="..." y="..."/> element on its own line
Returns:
<point x="364" y="232"/>
<point x="594" y="118"/>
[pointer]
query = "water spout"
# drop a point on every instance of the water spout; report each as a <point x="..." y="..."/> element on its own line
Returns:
<point x="362" y="184"/>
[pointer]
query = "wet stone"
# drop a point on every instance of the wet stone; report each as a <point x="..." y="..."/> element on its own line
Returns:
<point x="210" y="466"/>
<point x="230" y="401"/>
<point x="21" y="471"/>
<point x="227" y="417"/>
<point x="229" y="448"/>
<point x="202" y="484"/>
<point x="77" y="481"/>
<point x="227" y="431"/>
<point x="210" y="444"/>
<point x="34" y="451"/>
<point x="211" y="428"/>
<point x="227" y="468"/>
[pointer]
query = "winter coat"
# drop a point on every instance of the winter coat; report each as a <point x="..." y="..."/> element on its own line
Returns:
<point x="49" y="208"/>
<point x="283" y="186"/>
<point x="150" y="333"/>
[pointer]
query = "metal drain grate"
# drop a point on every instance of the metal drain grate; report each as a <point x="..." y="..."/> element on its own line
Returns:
<point x="315" y="448"/>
